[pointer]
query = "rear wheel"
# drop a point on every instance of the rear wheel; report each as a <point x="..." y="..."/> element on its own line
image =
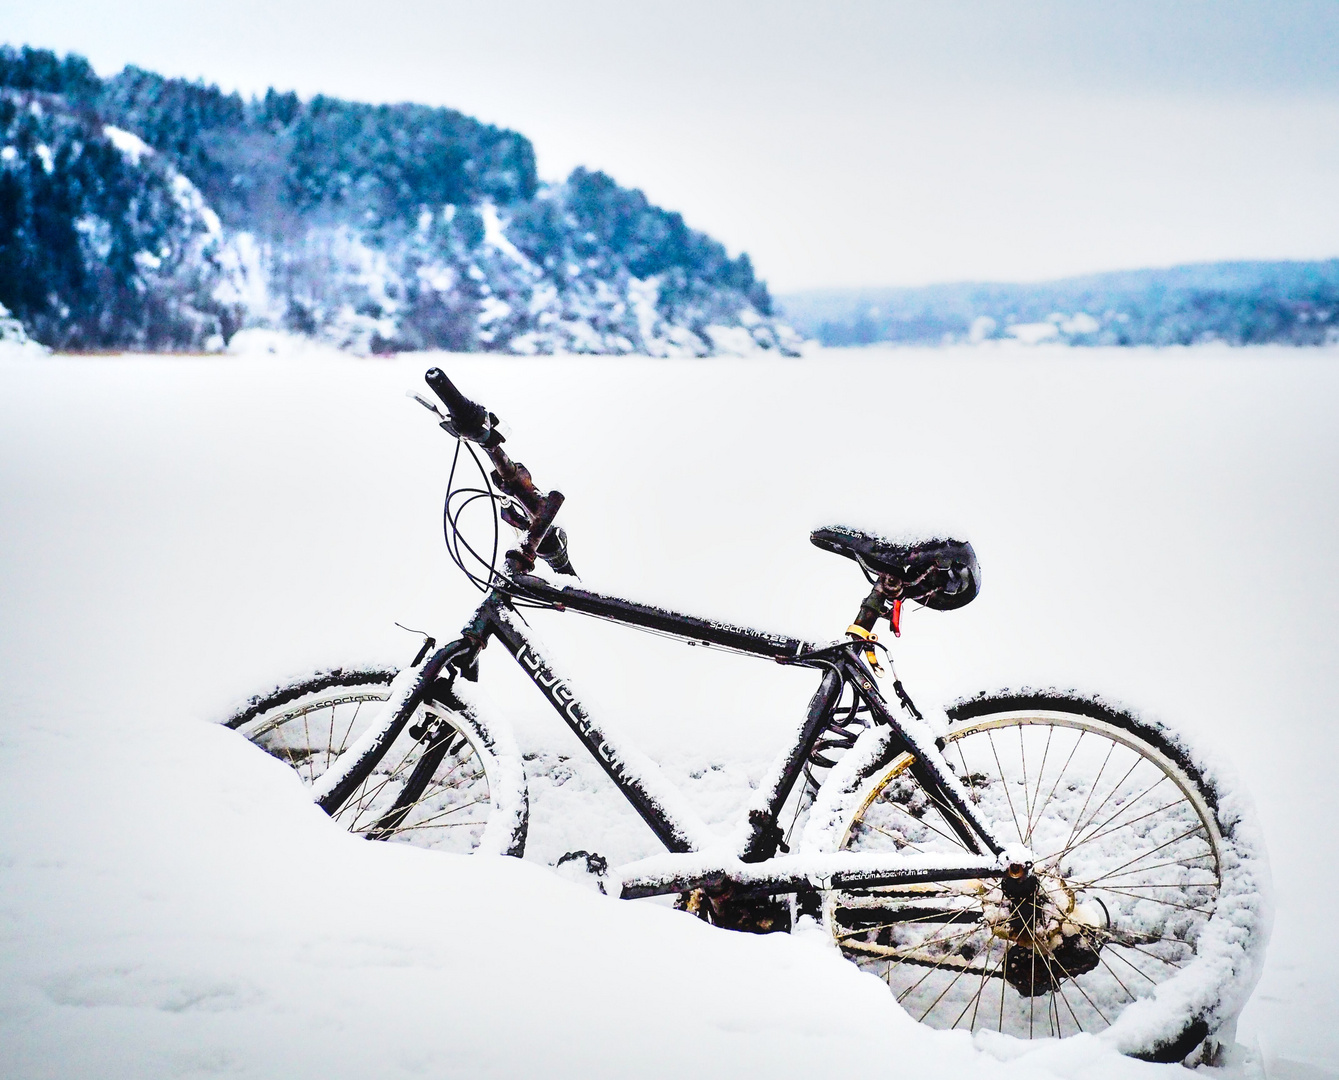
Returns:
<point x="445" y="782"/>
<point x="1139" y="877"/>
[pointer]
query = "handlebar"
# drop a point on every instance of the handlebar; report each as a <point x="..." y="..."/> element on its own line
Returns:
<point x="469" y="419"/>
<point x="537" y="510"/>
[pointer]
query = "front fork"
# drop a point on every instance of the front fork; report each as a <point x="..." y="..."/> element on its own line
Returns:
<point x="408" y="691"/>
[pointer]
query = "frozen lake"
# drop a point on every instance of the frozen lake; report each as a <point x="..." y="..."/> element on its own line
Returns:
<point x="175" y="533"/>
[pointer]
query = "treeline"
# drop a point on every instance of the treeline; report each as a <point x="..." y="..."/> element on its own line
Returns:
<point x="1239" y="303"/>
<point x="374" y="226"/>
<point x="97" y="250"/>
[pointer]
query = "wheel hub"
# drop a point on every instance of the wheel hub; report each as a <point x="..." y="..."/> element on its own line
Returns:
<point x="1051" y="937"/>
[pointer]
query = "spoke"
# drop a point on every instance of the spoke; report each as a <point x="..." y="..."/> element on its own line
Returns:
<point x="1032" y="998"/>
<point x="981" y="991"/>
<point x="1156" y="866"/>
<point x="1073" y="1015"/>
<point x="1041" y="772"/>
<point x="1085" y="839"/>
<point x="1055" y="787"/>
<point x="1127" y="990"/>
<point x="343" y="742"/>
<point x="945" y="810"/>
<point x="971" y="784"/>
<point x="1152" y="851"/>
<point x="1134" y="967"/>
<point x="1126" y="824"/>
<point x="1027" y="798"/>
<point x="307" y="741"/>
<point x="920" y="821"/>
<point x="1152" y="955"/>
<point x="1004" y="983"/>
<point x="914" y="985"/>
<point x="851" y="932"/>
<point x="1155" y="900"/>
<point x="930" y="918"/>
<point x="430" y="794"/>
<point x="369" y="795"/>
<point x="330" y="740"/>
<point x="938" y="939"/>
<point x="931" y="965"/>
<point x="428" y="821"/>
<point x="441" y="781"/>
<point x="1072" y="843"/>
<point x="1004" y="781"/>
<point x="1091" y="792"/>
<point x="1075" y="983"/>
<point x="952" y="983"/>
<point x="437" y="825"/>
<point x="893" y="836"/>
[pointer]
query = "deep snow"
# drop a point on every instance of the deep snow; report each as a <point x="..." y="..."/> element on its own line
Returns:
<point x="177" y="532"/>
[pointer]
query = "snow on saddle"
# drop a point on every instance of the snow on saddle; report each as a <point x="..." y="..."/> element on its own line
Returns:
<point x="938" y="573"/>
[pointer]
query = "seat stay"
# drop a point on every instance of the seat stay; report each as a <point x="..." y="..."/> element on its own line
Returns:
<point x="931" y="770"/>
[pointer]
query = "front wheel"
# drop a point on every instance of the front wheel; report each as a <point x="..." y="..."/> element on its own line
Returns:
<point x="447" y="781"/>
<point x="1144" y="920"/>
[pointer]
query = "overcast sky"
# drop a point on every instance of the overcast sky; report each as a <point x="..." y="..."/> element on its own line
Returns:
<point x="842" y="143"/>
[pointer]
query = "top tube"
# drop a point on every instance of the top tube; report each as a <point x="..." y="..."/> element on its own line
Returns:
<point x="689" y="627"/>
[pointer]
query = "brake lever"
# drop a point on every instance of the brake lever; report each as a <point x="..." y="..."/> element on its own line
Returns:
<point x="427" y="405"/>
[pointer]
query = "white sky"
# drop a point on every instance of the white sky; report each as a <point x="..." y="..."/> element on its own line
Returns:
<point x="864" y="142"/>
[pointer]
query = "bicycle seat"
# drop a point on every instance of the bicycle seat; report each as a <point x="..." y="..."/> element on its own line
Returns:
<point x="939" y="573"/>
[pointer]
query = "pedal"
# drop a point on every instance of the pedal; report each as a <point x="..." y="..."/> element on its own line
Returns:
<point x="583" y="867"/>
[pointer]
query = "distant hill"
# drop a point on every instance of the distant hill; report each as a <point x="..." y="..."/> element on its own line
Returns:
<point x="152" y="213"/>
<point x="1240" y="303"/>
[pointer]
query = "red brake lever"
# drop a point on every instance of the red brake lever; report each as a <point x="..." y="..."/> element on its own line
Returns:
<point x="895" y="618"/>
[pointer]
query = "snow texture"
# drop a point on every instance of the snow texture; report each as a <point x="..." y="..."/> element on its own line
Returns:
<point x="1230" y="949"/>
<point x="176" y="535"/>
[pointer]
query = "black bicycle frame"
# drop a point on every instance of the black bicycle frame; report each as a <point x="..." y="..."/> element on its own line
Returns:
<point x="639" y="780"/>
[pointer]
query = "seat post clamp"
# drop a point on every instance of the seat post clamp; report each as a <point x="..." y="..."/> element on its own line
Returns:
<point x="858" y="632"/>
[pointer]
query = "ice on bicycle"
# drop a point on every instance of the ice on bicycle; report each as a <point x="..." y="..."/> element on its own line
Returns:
<point x="1045" y="866"/>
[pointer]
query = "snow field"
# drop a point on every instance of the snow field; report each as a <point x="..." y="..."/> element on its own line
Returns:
<point x="1155" y="526"/>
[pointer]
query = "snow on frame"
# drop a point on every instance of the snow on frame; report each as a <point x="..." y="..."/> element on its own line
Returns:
<point x="169" y="941"/>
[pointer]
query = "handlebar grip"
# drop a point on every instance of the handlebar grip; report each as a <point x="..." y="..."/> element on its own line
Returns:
<point x="470" y="419"/>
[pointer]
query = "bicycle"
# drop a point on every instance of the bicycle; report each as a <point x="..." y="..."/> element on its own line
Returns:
<point x="1043" y="865"/>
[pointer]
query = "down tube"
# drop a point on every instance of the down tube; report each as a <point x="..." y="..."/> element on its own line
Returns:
<point x="678" y="831"/>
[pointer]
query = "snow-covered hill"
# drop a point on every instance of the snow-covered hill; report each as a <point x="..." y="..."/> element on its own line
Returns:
<point x="153" y="213"/>
<point x="174" y="535"/>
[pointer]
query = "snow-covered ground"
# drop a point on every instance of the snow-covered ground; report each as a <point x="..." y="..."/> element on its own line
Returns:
<point x="178" y="532"/>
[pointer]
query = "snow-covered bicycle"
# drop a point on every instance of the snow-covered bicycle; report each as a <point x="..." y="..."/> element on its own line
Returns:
<point x="1040" y="864"/>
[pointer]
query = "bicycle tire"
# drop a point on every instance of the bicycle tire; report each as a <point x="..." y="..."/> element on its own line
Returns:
<point x="448" y="781"/>
<point x="1153" y="875"/>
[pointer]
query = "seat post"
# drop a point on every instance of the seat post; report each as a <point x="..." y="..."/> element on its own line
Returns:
<point x="875" y="605"/>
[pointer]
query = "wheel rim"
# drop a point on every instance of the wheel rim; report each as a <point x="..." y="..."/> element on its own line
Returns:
<point x="1128" y="869"/>
<point x="432" y="788"/>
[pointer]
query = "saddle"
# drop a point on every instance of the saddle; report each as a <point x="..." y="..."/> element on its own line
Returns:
<point x="939" y="573"/>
